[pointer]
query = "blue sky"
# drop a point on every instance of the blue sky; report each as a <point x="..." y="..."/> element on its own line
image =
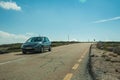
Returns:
<point x="82" y="20"/>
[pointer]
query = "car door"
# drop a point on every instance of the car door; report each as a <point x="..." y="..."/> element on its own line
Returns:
<point x="45" y="42"/>
<point x="48" y="43"/>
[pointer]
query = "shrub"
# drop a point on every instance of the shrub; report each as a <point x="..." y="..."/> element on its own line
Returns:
<point x="117" y="50"/>
<point x="109" y="48"/>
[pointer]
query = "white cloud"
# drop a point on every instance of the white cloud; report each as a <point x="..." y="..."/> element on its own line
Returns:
<point x="73" y="39"/>
<point x="106" y="20"/>
<point x="9" y="5"/>
<point x="31" y="34"/>
<point x="6" y="38"/>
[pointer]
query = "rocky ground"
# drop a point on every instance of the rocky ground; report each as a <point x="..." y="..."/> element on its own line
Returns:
<point x="105" y="65"/>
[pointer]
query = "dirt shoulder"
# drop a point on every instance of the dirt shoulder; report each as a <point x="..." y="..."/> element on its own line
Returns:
<point x="105" y="65"/>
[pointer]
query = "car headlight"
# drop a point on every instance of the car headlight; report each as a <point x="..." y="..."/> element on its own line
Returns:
<point x="22" y="45"/>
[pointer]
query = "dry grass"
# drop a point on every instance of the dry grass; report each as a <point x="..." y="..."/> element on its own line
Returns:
<point x="109" y="46"/>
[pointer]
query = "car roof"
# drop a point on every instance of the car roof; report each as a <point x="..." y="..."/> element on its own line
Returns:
<point x="39" y="37"/>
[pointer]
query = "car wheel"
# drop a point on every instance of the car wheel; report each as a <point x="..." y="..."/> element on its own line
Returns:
<point x="42" y="50"/>
<point x="49" y="49"/>
<point x="24" y="52"/>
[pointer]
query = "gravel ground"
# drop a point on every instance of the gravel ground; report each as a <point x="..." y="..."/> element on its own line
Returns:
<point x="105" y="65"/>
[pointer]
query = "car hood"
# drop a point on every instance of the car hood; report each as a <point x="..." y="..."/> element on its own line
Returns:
<point x="28" y="44"/>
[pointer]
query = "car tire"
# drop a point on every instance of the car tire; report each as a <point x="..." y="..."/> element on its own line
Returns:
<point x="41" y="50"/>
<point x="49" y="48"/>
<point x="24" y="52"/>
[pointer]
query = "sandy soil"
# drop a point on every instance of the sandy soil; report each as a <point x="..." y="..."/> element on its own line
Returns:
<point x="105" y="65"/>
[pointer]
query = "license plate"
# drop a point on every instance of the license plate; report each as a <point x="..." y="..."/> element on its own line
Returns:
<point x="28" y="47"/>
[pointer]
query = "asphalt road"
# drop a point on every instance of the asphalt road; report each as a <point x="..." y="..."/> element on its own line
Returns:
<point x="67" y="62"/>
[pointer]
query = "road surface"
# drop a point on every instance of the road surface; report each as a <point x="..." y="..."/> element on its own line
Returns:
<point x="67" y="62"/>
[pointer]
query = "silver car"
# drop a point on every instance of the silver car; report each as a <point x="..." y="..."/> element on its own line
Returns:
<point x="36" y="44"/>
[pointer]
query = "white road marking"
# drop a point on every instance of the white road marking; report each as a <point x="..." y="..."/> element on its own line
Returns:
<point x="12" y="61"/>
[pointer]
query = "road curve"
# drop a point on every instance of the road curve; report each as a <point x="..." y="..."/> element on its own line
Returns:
<point x="62" y="63"/>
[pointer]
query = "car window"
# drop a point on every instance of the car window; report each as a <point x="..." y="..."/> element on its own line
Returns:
<point x="47" y="39"/>
<point x="35" y="39"/>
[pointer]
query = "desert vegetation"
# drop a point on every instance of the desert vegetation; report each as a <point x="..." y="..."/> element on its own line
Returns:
<point x="109" y="46"/>
<point x="105" y="61"/>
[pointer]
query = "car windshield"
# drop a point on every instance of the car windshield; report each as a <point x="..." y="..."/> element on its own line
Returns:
<point x="34" y="39"/>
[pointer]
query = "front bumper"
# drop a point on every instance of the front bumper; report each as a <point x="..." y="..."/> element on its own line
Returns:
<point x="31" y="49"/>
